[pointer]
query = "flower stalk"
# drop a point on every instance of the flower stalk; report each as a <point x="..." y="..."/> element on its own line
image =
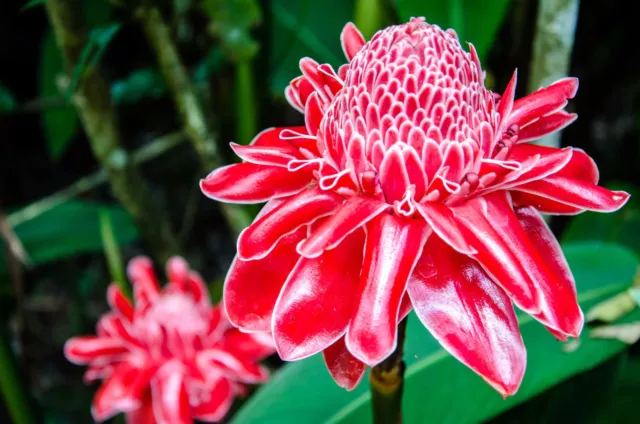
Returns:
<point x="94" y="104"/>
<point x="189" y="107"/>
<point x="12" y="391"/>
<point x="387" y="384"/>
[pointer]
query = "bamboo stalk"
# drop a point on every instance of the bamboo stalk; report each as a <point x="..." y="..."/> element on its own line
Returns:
<point x="552" y="48"/>
<point x="95" y="107"/>
<point x="188" y="104"/>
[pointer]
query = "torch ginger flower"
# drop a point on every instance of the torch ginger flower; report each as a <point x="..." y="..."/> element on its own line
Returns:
<point x="410" y="186"/>
<point x="172" y="357"/>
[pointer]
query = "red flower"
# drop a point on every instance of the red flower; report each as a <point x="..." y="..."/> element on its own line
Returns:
<point x="411" y="185"/>
<point x="170" y="358"/>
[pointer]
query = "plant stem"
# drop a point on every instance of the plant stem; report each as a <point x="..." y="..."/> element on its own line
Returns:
<point x="188" y="104"/>
<point x="12" y="391"/>
<point x="552" y="47"/>
<point x="387" y="383"/>
<point x="245" y="102"/>
<point x="95" y="106"/>
<point x="369" y="16"/>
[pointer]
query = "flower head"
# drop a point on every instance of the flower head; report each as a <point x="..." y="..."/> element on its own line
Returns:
<point x="172" y="357"/>
<point x="411" y="185"/>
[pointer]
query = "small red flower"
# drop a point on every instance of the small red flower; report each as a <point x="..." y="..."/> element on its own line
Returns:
<point x="170" y="358"/>
<point x="410" y="186"/>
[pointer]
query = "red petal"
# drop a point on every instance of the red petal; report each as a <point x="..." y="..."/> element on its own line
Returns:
<point x="249" y="346"/>
<point x="346" y="369"/>
<point x="233" y="367"/>
<point x="560" y="309"/>
<point x="252" y="287"/>
<point x="216" y="403"/>
<point x="142" y="415"/>
<point x="257" y="240"/>
<point x="313" y="114"/>
<point x="119" y="302"/>
<point x="169" y="394"/>
<point x="541" y="162"/>
<point x="392" y="249"/>
<point x="543" y="204"/>
<point x="354" y="213"/>
<point x="576" y="194"/>
<point x="178" y="272"/>
<point x="145" y="283"/>
<point x="543" y="102"/>
<point x="546" y="125"/>
<point x="251" y="183"/>
<point x="316" y="303"/>
<point x="469" y="315"/>
<point x="123" y="392"/>
<point x="82" y="350"/>
<point x="580" y="167"/>
<point x="443" y="221"/>
<point x="266" y="155"/>
<point x="506" y="101"/>
<point x="394" y="177"/>
<point x="351" y="40"/>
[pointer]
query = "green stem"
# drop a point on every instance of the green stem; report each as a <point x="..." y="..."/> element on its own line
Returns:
<point x="94" y="104"/>
<point x="188" y="104"/>
<point x="369" y="16"/>
<point x="14" y="395"/>
<point x="245" y="102"/>
<point x="456" y="14"/>
<point x="387" y="384"/>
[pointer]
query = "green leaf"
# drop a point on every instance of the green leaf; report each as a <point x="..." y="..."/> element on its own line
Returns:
<point x="60" y="125"/>
<point x="304" y="28"/>
<point x="475" y="21"/>
<point x="232" y="21"/>
<point x="112" y="253"/>
<point x="138" y="85"/>
<point x="438" y="388"/>
<point x="31" y="4"/>
<point x="69" y="229"/>
<point x="7" y="101"/>
<point x="621" y="227"/>
<point x="99" y="39"/>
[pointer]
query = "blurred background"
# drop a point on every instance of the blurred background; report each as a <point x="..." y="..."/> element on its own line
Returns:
<point x="162" y="86"/>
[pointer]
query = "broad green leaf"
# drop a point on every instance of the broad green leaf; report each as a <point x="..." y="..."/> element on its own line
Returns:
<point x="438" y="388"/>
<point x="620" y="227"/>
<point x="475" y="21"/>
<point x="232" y="21"/>
<point x="61" y="124"/>
<point x="302" y="28"/>
<point x="7" y="101"/>
<point x="71" y="228"/>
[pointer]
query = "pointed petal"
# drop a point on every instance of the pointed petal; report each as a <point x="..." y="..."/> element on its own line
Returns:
<point x="82" y="350"/>
<point x="317" y="301"/>
<point x="469" y="315"/>
<point x="123" y="392"/>
<point x="443" y="221"/>
<point x="178" y="272"/>
<point x="537" y="162"/>
<point x="543" y="204"/>
<point x="251" y="183"/>
<point x="546" y="125"/>
<point x="169" y="394"/>
<point x="351" y="40"/>
<point x="543" y="102"/>
<point x="231" y="366"/>
<point x="354" y="213"/>
<point x="392" y="249"/>
<point x="143" y="414"/>
<point x="251" y="288"/>
<point x="346" y="369"/>
<point x="394" y="177"/>
<point x="506" y="101"/>
<point x="217" y="402"/>
<point x="145" y="283"/>
<point x="560" y="309"/>
<point x="266" y="155"/>
<point x="257" y="240"/>
<point x="119" y="302"/>
<point x="576" y="194"/>
<point x="248" y="346"/>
